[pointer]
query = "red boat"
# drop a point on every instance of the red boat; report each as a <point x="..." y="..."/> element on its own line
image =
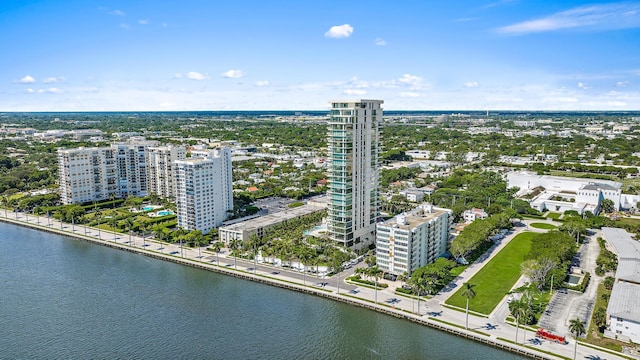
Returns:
<point x="542" y="333"/>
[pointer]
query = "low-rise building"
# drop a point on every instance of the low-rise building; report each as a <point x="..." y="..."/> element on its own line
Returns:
<point x="473" y="214"/>
<point x="412" y="240"/>
<point x="556" y="193"/>
<point x="623" y="312"/>
<point x="243" y="230"/>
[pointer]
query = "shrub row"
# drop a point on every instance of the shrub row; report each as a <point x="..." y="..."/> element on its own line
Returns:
<point x="583" y="285"/>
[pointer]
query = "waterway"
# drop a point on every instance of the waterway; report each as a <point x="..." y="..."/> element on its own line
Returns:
<point x="62" y="298"/>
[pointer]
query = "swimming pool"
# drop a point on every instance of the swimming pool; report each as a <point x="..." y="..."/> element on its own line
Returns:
<point x="151" y="207"/>
<point x="322" y="227"/>
<point x="165" y="212"/>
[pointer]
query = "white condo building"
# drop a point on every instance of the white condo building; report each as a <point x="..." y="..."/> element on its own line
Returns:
<point x="412" y="240"/>
<point x="353" y="171"/>
<point x="95" y="174"/>
<point x="160" y="169"/>
<point x="204" y="191"/>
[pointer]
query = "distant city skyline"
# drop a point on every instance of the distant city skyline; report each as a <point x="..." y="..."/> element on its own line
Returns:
<point x="251" y="55"/>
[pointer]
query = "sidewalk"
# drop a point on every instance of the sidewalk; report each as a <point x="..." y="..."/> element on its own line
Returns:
<point x="431" y="311"/>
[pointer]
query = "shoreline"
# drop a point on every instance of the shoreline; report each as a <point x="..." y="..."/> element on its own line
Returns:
<point x="290" y="285"/>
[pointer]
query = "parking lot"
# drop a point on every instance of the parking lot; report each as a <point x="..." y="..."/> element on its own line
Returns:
<point x="567" y="305"/>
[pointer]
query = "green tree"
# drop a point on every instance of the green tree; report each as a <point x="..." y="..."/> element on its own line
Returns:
<point x="468" y="293"/>
<point x="375" y="273"/>
<point x="234" y="245"/>
<point x="518" y="309"/>
<point x="217" y="246"/>
<point x="608" y="206"/>
<point x="576" y="326"/>
<point x="600" y="317"/>
<point x="98" y="215"/>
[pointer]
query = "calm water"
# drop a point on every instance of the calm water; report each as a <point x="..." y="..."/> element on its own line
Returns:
<point x="67" y="299"/>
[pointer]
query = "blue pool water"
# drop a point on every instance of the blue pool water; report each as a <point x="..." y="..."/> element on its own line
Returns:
<point x="165" y="212"/>
<point x="147" y="208"/>
<point x="322" y="227"/>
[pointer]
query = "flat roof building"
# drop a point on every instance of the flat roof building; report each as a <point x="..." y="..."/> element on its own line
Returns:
<point x="243" y="230"/>
<point x="204" y="191"/>
<point x="623" y="312"/>
<point x="411" y="240"/>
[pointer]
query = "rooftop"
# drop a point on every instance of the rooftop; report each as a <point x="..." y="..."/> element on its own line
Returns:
<point x="623" y="244"/>
<point x="275" y="218"/>
<point x="416" y="217"/>
<point x="624" y="301"/>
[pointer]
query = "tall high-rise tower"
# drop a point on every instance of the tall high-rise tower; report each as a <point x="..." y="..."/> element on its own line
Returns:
<point x="204" y="190"/>
<point x="353" y="171"/>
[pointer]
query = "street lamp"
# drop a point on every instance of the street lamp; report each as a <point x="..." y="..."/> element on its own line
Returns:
<point x="551" y="290"/>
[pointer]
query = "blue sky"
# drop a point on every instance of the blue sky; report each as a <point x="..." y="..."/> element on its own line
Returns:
<point x="87" y="55"/>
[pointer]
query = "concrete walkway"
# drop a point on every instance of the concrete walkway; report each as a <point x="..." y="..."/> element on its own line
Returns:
<point x="431" y="312"/>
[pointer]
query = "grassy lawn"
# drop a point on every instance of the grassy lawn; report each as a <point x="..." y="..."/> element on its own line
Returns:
<point x="542" y="226"/>
<point x="458" y="270"/>
<point x="497" y="277"/>
<point x="628" y="221"/>
<point x="553" y="215"/>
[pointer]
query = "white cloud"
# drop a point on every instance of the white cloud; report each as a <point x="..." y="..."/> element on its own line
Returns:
<point x="27" y="80"/>
<point x="412" y="81"/>
<point x="196" y="76"/>
<point x="50" y="91"/>
<point x="177" y="76"/>
<point x="143" y="22"/>
<point x="622" y="83"/>
<point x="616" y="103"/>
<point x="380" y="42"/>
<point x="598" y="17"/>
<point x="583" y="86"/>
<point x="471" y="84"/>
<point x="409" y="94"/>
<point x="261" y="83"/>
<point x="54" y="79"/>
<point x="354" y="92"/>
<point x="233" y="74"/>
<point x="339" y="31"/>
<point x="164" y="24"/>
<point x="30" y="91"/>
<point x="117" y="12"/>
<point x="125" y="26"/>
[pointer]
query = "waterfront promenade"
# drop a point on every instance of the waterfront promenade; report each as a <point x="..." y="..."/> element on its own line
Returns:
<point x="431" y="312"/>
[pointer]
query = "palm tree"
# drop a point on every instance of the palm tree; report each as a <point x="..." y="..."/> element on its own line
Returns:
<point x="337" y="268"/>
<point x="217" y="246"/>
<point x="375" y="272"/>
<point x="519" y="310"/>
<point x="158" y="232"/>
<point x="113" y="222"/>
<point x="5" y="203"/>
<point x="576" y="326"/>
<point x="469" y="293"/>
<point x="600" y="317"/>
<point x="129" y="222"/>
<point x="234" y="245"/>
<point x="304" y="256"/>
<point x="178" y="234"/>
<point x="99" y="215"/>
<point x="403" y="277"/>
